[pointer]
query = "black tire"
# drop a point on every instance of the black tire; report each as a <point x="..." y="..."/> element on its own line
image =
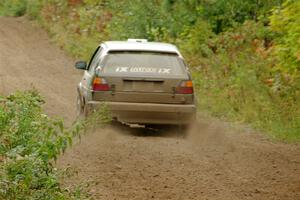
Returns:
<point x="80" y="108"/>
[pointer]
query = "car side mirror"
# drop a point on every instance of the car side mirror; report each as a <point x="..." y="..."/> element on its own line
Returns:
<point x="81" y="65"/>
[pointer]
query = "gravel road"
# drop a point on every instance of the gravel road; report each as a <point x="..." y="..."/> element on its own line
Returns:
<point x="215" y="160"/>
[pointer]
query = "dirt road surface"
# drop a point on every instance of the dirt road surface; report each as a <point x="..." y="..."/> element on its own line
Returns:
<point x="214" y="161"/>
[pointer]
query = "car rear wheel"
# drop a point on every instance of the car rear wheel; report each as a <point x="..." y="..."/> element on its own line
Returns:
<point x="80" y="108"/>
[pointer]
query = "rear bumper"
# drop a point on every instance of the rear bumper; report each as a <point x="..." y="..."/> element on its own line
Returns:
<point x="148" y="113"/>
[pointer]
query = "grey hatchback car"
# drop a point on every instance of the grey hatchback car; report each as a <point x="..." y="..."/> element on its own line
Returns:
<point x="141" y="82"/>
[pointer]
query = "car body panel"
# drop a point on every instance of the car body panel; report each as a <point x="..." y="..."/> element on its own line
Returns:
<point x="135" y="97"/>
<point x="148" y="113"/>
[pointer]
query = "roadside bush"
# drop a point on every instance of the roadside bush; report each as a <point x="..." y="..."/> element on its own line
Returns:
<point x="13" y="7"/>
<point x="33" y="8"/>
<point x="285" y="22"/>
<point x="237" y="83"/>
<point x="224" y="14"/>
<point x="196" y="40"/>
<point x="29" y="143"/>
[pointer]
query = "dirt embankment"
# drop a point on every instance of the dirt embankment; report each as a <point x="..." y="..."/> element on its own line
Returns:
<point x="214" y="161"/>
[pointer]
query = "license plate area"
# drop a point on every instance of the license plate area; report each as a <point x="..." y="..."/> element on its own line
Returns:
<point x="143" y="86"/>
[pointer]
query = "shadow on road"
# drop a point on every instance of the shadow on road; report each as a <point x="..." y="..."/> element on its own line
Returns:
<point x="153" y="131"/>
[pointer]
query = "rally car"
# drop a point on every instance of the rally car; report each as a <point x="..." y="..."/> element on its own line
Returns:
<point x="141" y="82"/>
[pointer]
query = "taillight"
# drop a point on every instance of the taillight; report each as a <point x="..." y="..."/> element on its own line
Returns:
<point x="185" y="87"/>
<point x="100" y="84"/>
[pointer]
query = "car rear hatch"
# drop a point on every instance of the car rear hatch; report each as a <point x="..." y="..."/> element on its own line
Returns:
<point x="144" y="77"/>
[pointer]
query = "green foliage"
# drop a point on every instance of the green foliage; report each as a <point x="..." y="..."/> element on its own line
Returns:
<point x="235" y="83"/>
<point x="223" y="14"/>
<point x="137" y="19"/>
<point x="102" y="115"/>
<point x="30" y="142"/>
<point x="13" y="7"/>
<point x="196" y="39"/>
<point x="285" y="21"/>
<point x="33" y="8"/>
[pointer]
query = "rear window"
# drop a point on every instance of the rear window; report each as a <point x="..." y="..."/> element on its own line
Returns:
<point x="143" y="64"/>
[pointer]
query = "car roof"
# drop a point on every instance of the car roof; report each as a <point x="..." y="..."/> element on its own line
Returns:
<point x="141" y="45"/>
